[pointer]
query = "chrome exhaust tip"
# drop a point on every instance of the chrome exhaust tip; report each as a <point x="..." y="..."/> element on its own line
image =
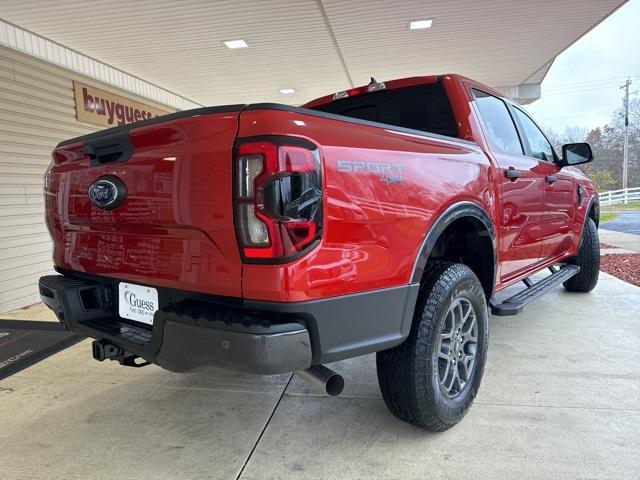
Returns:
<point x="324" y="378"/>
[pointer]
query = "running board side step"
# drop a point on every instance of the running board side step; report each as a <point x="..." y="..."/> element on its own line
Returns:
<point x="515" y="304"/>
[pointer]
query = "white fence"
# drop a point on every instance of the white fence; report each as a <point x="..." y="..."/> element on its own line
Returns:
<point x="620" y="196"/>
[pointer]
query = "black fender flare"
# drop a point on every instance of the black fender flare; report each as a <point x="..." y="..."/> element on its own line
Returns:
<point x="593" y="202"/>
<point x="452" y="213"/>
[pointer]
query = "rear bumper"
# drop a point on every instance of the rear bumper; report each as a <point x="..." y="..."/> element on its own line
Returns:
<point x="186" y="335"/>
<point x="191" y="330"/>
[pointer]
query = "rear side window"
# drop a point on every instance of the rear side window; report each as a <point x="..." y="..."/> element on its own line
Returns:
<point x="423" y="107"/>
<point x="498" y="122"/>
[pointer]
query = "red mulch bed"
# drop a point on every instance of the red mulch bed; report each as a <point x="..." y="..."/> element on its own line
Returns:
<point x="624" y="266"/>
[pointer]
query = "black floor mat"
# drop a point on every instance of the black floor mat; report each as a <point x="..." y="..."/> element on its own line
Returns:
<point x="24" y="342"/>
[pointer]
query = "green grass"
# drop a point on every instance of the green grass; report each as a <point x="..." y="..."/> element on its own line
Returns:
<point x="606" y="216"/>
<point x="635" y="205"/>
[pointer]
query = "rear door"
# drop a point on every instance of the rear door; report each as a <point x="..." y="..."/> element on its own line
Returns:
<point x="522" y="184"/>
<point x="559" y="188"/>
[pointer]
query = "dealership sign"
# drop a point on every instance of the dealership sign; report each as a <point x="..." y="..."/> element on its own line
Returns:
<point x="108" y="109"/>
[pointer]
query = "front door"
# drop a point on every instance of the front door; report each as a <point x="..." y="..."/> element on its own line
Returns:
<point x="559" y="189"/>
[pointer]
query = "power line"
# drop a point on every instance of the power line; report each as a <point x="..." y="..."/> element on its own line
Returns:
<point x="578" y="115"/>
<point x="583" y="90"/>
<point x="586" y="88"/>
<point x="587" y="83"/>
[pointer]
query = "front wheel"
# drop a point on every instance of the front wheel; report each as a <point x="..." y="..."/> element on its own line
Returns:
<point x="588" y="259"/>
<point x="431" y="379"/>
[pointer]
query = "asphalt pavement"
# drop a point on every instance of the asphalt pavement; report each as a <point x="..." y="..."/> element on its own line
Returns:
<point x="627" y="222"/>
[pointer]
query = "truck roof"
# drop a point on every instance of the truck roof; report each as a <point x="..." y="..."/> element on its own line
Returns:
<point x="402" y="83"/>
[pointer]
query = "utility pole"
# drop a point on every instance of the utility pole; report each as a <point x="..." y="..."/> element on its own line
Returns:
<point x="625" y="152"/>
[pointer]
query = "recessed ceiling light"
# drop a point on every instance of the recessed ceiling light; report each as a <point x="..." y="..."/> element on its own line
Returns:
<point x="420" y="24"/>
<point x="236" y="44"/>
<point x="287" y="91"/>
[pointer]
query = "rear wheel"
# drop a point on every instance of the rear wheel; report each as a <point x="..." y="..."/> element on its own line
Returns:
<point x="431" y="379"/>
<point x="588" y="259"/>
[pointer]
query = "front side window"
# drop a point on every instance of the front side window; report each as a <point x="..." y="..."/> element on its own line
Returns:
<point x="539" y="146"/>
<point x="498" y="122"/>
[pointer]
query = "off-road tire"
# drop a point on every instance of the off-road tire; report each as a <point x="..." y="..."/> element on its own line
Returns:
<point x="588" y="259"/>
<point x="408" y="374"/>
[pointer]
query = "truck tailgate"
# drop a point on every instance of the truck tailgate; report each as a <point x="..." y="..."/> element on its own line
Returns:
<point x="174" y="227"/>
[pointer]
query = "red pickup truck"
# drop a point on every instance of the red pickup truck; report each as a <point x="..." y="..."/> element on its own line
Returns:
<point x="269" y="238"/>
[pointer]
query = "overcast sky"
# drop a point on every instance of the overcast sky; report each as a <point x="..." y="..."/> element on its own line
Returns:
<point x="582" y="86"/>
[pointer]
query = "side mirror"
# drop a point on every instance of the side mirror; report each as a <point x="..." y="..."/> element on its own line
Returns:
<point x="576" y="153"/>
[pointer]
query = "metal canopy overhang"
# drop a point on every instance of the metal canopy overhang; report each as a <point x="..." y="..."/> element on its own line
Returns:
<point x="314" y="46"/>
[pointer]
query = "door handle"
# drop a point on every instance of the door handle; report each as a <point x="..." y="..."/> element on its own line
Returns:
<point x="551" y="179"/>
<point x="513" y="174"/>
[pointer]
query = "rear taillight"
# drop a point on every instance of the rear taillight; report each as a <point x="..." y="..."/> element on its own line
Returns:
<point x="278" y="196"/>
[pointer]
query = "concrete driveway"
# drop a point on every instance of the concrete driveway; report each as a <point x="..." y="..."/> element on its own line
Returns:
<point x="560" y="399"/>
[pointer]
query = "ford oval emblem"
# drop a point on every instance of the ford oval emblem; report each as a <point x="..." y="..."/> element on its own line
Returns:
<point x="107" y="192"/>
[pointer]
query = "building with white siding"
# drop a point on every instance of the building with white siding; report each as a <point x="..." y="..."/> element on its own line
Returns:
<point x="37" y="111"/>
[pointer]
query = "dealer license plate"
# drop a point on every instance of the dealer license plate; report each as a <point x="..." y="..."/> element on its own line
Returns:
<point x="136" y="302"/>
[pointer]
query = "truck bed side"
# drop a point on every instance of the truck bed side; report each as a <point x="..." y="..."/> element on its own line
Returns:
<point x="384" y="186"/>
